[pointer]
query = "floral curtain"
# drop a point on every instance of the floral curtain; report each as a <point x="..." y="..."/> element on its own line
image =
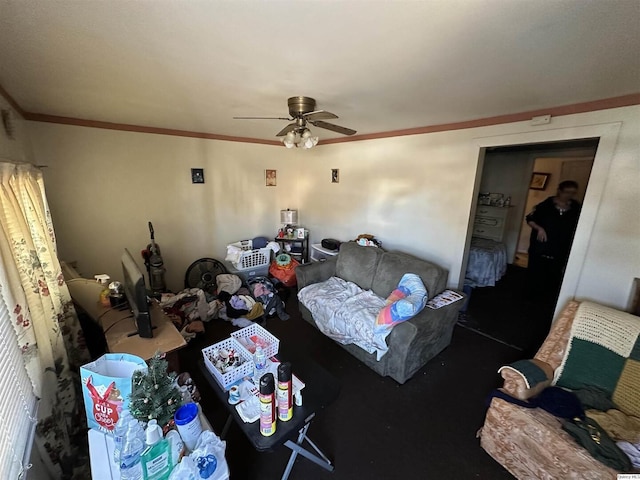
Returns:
<point x="45" y="321"/>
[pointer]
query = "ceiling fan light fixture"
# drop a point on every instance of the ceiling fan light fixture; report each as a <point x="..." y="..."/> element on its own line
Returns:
<point x="307" y="140"/>
<point x="289" y="139"/>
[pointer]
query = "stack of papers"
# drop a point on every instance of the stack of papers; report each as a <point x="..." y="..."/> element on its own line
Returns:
<point x="443" y="299"/>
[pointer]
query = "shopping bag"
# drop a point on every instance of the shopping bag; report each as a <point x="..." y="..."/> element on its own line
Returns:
<point x="106" y="386"/>
<point x="285" y="273"/>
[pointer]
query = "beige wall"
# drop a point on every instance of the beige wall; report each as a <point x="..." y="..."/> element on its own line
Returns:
<point x="104" y="186"/>
<point x="415" y="193"/>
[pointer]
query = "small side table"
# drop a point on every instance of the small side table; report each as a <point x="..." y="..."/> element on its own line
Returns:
<point x="299" y="247"/>
<point x="320" y="391"/>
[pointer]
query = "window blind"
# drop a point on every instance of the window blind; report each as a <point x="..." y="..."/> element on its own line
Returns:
<point x="17" y="402"/>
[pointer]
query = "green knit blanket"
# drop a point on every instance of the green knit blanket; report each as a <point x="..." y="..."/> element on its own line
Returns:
<point x="604" y="352"/>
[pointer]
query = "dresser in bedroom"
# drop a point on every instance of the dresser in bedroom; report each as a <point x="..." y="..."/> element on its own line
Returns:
<point x="490" y="222"/>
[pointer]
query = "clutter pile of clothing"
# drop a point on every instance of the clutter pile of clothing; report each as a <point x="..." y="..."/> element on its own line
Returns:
<point x="232" y="302"/>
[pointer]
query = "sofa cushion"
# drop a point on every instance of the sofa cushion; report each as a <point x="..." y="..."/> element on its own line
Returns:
<point x="393" y="265"/>
<point x="358" y="265"/>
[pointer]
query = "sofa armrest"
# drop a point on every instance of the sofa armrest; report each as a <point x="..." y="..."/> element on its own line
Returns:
<point x="315" y="272"/>
<point x="416" y="341"/>
<point x="516" y="386"/>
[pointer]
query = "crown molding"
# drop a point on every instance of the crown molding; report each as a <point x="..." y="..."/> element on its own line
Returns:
<point x="603" y="104"/>
<point x="80" y="122"/>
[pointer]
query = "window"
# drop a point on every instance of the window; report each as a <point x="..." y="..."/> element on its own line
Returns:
<point x="17" y="402"/>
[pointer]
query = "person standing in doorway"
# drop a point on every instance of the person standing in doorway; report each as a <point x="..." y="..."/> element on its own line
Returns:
<point x="553" y="225"/>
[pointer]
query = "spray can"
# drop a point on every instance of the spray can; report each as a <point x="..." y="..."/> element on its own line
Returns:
<point x="267" y="405"/>
<point x="285" y="403"/>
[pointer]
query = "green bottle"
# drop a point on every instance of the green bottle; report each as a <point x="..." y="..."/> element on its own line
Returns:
<point x="156" y="458"/>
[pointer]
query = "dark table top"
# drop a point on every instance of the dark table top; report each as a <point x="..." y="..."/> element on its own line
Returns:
<point x="321" y="389"/>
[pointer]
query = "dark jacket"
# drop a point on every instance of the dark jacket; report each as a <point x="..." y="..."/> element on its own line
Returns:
<point x="560" y="228"/>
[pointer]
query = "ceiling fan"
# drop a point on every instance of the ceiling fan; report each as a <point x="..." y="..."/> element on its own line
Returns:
<point x="302" y="112"/>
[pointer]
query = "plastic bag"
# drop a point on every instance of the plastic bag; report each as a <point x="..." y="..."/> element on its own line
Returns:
<point x="185" y="470"/>
<point x="286" y="274"/>
<point x="203" y="462"/>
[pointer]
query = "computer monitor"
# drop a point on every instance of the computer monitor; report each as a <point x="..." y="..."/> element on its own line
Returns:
<point x="136" y="293"/>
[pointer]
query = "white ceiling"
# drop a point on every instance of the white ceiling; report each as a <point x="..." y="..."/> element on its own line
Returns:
<point x="379" y="65"/>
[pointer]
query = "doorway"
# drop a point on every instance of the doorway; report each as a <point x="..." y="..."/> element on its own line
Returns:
<point x="500" y="307"/>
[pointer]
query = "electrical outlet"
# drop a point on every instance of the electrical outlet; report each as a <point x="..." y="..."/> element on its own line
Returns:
<point x="541" y="120"/>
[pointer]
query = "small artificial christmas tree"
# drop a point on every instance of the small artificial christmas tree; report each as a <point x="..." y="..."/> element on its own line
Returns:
<point x="154" y="393"/>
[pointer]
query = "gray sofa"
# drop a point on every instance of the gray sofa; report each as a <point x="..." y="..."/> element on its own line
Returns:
<point x="412" y="343"/>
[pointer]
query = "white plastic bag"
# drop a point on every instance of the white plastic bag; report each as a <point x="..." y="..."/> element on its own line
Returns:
<point x="204" y="461"/>
<point x="185" y="470"/>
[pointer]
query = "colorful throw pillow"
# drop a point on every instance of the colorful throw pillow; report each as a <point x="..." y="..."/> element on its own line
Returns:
<point x="604" y="352"/>
<point x="406" y="301"/>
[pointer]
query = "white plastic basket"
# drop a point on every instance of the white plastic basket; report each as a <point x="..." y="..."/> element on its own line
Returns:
<point x="255" y="329"/>
<point x="250" y="258"/>
<point x="225" y="380"/>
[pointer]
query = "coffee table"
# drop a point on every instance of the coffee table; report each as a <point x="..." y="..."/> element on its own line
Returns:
<point x="321" y="389"/>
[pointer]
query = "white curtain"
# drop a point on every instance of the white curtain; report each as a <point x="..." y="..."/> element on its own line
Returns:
<point x="46" y="325"/>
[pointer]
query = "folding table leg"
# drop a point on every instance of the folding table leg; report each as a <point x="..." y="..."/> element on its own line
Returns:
<point x="225" y="429"/>
<point x="297" y="448"/>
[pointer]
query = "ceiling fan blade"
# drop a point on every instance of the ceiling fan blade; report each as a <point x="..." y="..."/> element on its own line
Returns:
<point x="286" y="130"/>
<point x="331" y="126"/>
<point x="262" y="118"/>
<point x="320" y="115"/>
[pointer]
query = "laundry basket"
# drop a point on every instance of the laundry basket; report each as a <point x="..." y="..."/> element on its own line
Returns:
<point x="251" y="259"/>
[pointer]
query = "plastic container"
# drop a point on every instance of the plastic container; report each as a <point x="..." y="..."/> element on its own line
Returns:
<point x="225" y="380"/>
<point x="119" y="434"/>
<point x="156" y="459"/>
<point x="250" y="258"/>
<point x="130" y="466"/>
<point x="248" y="274"/>
<point x="188" y="423"/>
<point x="259" y="364"/>
<point x="267" y="405"/>
<point x="273" y="344"/>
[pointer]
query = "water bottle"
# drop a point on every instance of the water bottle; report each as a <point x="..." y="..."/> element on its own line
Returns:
<point x="119" y="433"/>
<point x="260" y="362"/>
<point x="139" y="428"/>
<point x="130" y="466"/>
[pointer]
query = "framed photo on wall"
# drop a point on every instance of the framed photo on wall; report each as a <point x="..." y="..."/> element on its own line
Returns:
<point x="335" y="175"/>
<point x="539" y="181"/>
<point x="270" y="178"/>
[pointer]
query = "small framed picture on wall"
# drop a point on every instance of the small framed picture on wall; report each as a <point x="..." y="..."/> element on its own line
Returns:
<point x="271" y="179"/>
<point x="197" y="175"/>
<point x="335" y="175"/>
<point x="539" y="180"/>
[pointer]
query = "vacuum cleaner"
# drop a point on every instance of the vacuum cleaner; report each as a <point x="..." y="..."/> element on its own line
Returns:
<point x="155" y="265"/>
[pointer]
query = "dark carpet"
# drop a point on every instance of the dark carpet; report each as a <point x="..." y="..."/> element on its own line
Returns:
<point x="506" y="312"/>
<point x="376" y="429"/>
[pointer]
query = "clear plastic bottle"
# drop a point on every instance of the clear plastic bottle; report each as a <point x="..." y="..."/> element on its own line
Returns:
<point x="119" y="434"/>
<point x="260" y="364"/>
<point x="156" y="458"/>
<point x="132" y="448"/>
